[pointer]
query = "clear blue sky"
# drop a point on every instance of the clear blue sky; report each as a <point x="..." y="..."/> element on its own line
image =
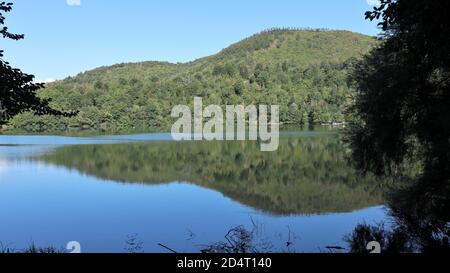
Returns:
<point x="62" y="39"/>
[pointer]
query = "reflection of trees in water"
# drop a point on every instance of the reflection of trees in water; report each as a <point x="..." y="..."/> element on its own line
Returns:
<point x="420" y="223"/>
<point x="423" y="213"/>
<point x="305" y="175"/>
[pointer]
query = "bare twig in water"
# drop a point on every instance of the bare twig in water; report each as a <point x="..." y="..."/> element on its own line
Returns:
<point x="166" y="247"/>
<point x="240" y="240"/>
<point x="334" y="249"/>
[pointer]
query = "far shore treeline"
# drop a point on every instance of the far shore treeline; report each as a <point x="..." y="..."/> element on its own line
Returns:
<point x="303" y="71"/>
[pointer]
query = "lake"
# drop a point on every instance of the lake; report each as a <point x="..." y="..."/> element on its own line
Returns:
<point x="101" y="191"/>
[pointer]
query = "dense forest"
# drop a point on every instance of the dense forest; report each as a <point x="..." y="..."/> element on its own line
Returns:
<point x="303" y="71"/>
<point x="304" y="176"/>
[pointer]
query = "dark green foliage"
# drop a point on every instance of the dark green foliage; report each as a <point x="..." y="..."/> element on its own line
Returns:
<point x="396" y="241"/>
<point x="403" y="100"/>
<point x="401" y="115"/>
<point x="238" y="88"/>
<point x="279" y="66"/>
<point x="18" y="92"/>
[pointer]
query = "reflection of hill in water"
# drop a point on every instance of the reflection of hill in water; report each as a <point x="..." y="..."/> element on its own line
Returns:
<point x="306" y="175"/>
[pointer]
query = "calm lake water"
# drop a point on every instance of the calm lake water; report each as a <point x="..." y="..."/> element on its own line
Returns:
<point x="99" y="190"/>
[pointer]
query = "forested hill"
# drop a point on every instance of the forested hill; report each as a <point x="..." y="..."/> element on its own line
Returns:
<point x="304" y="71"/>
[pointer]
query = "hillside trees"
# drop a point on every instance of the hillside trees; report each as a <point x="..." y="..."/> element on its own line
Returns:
<point x="273" y="67"/>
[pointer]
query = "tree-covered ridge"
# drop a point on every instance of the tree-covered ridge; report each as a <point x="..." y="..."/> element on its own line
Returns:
<point x="303" y="71"/>
<point x="305" y="175"/>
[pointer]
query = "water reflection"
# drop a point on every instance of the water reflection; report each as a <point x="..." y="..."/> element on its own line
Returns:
<point x="306" y="175"/>
<point x="3" y="165"/>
